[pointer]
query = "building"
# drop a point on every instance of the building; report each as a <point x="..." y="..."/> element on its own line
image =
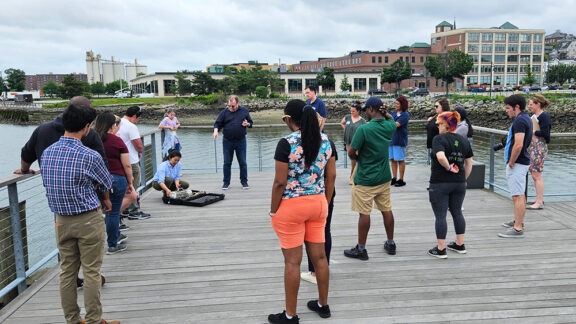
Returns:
<point x="106" y="71"/>
<point x="38" y="81"/>
<point x="501" y="55"/>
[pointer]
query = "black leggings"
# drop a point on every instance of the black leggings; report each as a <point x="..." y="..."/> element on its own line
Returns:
<point x="327" y="235"/>
<point x="444" y="196"/>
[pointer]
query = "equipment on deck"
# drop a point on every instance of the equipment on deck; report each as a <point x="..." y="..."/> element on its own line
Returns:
<point x="192" y="198"/>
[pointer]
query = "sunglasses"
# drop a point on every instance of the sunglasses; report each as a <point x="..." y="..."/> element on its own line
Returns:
<point x="437" y="106"/>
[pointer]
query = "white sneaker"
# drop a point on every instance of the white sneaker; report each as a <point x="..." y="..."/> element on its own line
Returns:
<point x="308" y="276"/>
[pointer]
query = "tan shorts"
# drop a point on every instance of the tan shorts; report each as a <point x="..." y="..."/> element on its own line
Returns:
<point x="364" y="197"/>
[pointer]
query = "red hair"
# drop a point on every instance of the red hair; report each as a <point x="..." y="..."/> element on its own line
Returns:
<point x="451" y="118"/>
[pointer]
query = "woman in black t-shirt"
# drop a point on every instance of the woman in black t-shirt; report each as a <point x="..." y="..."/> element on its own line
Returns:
<point x="451" y="165"/>
<point x="440" y="105"/>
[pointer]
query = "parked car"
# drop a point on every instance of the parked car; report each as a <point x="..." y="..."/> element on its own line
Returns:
<point x="535" y="88"/>
<point x="419" y="92"/>
<point x="344" y="93"/>
<point x="144" y="95"/>
<point x="377" y="92"/>
<point x="553" y="87"/>
<point x="573" y="87"/>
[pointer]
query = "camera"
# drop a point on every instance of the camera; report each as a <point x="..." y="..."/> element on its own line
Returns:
<point x="500" y="145"/>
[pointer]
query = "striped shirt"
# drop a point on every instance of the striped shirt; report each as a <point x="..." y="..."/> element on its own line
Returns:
<point x="70" y="174"/>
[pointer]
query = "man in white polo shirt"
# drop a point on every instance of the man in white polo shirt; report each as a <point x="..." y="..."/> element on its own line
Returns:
<point x="129" y="133"/>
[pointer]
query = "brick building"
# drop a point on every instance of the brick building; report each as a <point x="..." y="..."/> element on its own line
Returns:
<point x="37" y="81"/>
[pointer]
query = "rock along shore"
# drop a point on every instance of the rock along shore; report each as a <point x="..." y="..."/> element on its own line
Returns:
<point x="488" y="113"/>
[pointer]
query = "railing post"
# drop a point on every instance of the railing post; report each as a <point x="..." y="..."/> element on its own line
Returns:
<point x="491" y="167"/>
<point x="260" y="151"/>
<point x="17" y="237"/>
<point x="215" y="157"/>
<point x="154" y="151"/>
<point x="142" y="168"/>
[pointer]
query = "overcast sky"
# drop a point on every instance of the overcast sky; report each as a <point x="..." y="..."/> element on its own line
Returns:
<point x="40" y="36"/>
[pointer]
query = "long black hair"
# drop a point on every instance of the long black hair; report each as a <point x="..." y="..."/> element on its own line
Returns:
<point x="311" y="137"/>
<point x="103" y="123"/>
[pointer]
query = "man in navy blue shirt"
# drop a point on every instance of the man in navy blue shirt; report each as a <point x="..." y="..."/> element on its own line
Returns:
<point x="70" y="173"/>
<point x="233" y="121"/>
<point x="517" y="161"/>
<point x="316" y="103"/>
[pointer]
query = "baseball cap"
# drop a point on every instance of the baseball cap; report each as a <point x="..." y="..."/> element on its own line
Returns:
<point x="373" y="102"/>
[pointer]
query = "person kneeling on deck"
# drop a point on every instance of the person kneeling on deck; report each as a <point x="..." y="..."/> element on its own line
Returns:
<point x="167" y="178"/>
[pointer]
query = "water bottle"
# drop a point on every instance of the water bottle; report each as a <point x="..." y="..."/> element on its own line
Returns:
<point x="174" y="195"/>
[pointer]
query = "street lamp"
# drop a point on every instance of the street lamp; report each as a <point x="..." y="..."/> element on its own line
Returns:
<point x="491" y="77"/>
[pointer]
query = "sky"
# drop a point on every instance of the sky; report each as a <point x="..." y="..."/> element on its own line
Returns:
<point x="40" y="36"/>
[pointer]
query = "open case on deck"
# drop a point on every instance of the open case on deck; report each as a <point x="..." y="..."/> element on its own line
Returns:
<point x="193" y="198"/>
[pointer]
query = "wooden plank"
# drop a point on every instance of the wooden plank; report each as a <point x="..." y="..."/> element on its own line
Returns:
<point x="221" y="264"/>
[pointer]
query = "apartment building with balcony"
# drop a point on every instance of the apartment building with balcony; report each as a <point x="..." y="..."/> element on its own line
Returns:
<point x="501" y="55"/>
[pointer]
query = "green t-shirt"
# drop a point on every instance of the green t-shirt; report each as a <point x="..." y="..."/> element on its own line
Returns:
<point x="372" y="140"/>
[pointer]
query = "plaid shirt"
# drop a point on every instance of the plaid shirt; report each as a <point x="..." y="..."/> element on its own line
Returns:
<point x="70" y="172"/>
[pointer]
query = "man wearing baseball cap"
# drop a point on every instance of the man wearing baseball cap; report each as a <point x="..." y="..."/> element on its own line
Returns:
<point x="369" y="147"/>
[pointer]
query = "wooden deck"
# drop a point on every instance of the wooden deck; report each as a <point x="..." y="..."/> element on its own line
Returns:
<point x="222" y="264"/>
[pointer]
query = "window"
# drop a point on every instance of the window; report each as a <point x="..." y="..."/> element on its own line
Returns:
<point x="512" y="79"/>
<point x="486" y="58"/>
<point x="525" y="48"/>
<point x="498" y="69"/>
<point x="311" y="82"/>
<point x="295" y="85"/>
<point x="497" y="80"/>
<point x="373" y="83"/>
<point x="537" y="58"/>
<point x="385" y="59"/>
<point x="512" y="58"/>
<point x="523" y="68"/>
<point x="413" y="59"/>
<point x="486" y="37"/>
<point x="473" y="37"/>
<point x="513" y="48"/>
<point x="474" y="58"/>
<point x="512" y="37"/>
<point x="407" y="59"/>
<point x="472" y="48"/>
<point x="421" y="59"/>
<point x="379" y="59"/>
<point x="537" y="48"/>
<point x="536" y="68"/>
<point x="524" y="58"/>
<point x="537" y="38"/>
<point x="499" y="48"/>
<point x="512" y="68"/>
<point x="485" y="79"/>
<point x="499" y="58"/>
<point x="525" y="37"/>
<point x="474" y="69"/>
<point x="359" y="84"/>
<point x="486" y="47"/>
<point x="373" y="59"/>
<point x="485" y="69"/>
<point x="500" y="37"/>
<point x="472" y="80"/>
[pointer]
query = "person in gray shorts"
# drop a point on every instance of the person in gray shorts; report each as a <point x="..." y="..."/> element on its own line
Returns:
<point x="517" y="161"/>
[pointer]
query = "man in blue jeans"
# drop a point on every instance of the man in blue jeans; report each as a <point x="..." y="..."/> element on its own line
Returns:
<point x="233" y="121"/>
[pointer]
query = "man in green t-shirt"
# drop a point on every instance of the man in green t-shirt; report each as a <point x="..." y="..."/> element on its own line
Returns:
<point x="369" y="148"/>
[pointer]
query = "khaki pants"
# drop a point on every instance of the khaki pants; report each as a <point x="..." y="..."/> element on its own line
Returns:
<point x="134" y="206"/>
<point x="80" y="242"/>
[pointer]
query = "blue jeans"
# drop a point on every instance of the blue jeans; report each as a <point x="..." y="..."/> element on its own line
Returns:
<point x="119" y="185"/>
<point x="228" y="147"/>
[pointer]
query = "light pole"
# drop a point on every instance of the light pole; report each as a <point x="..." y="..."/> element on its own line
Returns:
<point x="491" y="77"/>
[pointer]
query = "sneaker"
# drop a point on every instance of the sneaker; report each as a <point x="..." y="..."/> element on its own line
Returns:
<point x="400" y="183"/>
<point x="393" y="181"/>
<point x="356" y="254"/>
<point x="323" y="311"/>
<point x="122" y="238"/>
<point x="102" y="321"/>
<point x="440" y="254"/>
<point x="124" y="213"/>
<point x="512" y="233"/>
<point x="225" y="187"/>
<point x="115" y="249"/>
<point x="124" y="227"/>
<point x="390" y="248"/>
<point x="456" y="248"/>
<point x="281" y="318"/>
<point x="245" y="186"/>
<point x="308" y="276"/>
<point x="510" y="224"/>
<point x="138" y="215"/>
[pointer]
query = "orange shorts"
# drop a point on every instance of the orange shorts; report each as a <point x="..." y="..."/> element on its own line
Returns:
<point x="300" y="219"/>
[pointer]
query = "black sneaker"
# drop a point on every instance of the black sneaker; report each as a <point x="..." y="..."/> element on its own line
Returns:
<point x="456" y="248"/>
<point x="390" y="248"/>
<point x="124" y="227"/>
<point x="400" y="183"/>
<point x="323" y="311"/>
<point x="138" y="215"/>
<point x="393" y="181"/>
<point x="356" y="254"/>
<point x="441" y="254"/>
<point x="122" y="238"/>
<point x="281" y="318"/>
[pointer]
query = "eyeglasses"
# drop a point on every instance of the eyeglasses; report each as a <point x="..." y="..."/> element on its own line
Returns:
<point x="437" y="106"/>
<point x="285" y="116"/>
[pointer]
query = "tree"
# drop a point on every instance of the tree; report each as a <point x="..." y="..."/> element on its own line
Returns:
<point x="529" y="79"/>
<point x="183" y="85"/>
<point x="98" y="88"/>
<point x="71" y="87"/>
<point x="345" y="85"/>
<point x="114" y="86"/>
<point x="203" y="83"/>
<point x="561" y="73"/>
<point x="404" y="48"/>
<point x="3" y="86"/>
<point x="396" y="72"/>
<point x="325" y="78"/>
<point x="51" y="88"/>
<point x="449" y="66"/>
<point x="261" y="92"/>
<point x="16" y="79"/>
